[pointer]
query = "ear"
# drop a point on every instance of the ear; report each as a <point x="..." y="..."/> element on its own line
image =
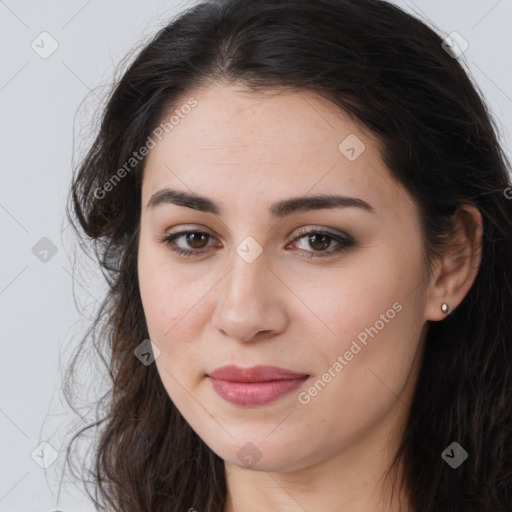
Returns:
<point x="456" y="270"/>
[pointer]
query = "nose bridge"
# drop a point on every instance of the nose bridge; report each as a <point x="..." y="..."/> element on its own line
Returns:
<point x="245" y="282"/>
<point x="247" y="303"/>
<point x="248" y="264"/>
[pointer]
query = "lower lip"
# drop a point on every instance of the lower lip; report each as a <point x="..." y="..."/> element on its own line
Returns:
<point x="254" y="393"/>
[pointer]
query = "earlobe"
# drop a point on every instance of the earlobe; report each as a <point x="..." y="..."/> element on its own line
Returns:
<point x="458" y="267"/>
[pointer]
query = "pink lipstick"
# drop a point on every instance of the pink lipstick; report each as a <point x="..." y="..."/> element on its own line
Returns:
<point x="256" y="385"/>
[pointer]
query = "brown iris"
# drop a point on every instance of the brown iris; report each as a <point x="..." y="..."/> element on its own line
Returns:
<point x="324" y="243"/>
<point x="197" y="238"/>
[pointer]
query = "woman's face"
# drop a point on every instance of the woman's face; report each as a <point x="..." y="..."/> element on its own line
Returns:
<point x="333" y="291"/>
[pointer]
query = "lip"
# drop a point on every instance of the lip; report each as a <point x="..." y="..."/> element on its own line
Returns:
<point x="256" y="385"/>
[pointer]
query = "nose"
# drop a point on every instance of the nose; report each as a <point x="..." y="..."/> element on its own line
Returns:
<point x="251" y="302"/>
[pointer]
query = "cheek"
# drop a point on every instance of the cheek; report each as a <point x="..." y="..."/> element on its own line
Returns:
<point x="159" y="293"/>
<point x="376" y="314"/>
<point x="176" y="308"/>
<point x="372" y="318"/>
<point x="171" y="320"/>
<point x="165" y="295"/>
<point x="354" y="299"/>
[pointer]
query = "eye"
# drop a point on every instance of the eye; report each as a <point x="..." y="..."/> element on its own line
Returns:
<point x="318" y="239"/>
<point x="196" y="239"/>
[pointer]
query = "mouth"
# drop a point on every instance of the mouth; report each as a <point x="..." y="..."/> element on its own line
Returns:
<point x="254" y="386"/>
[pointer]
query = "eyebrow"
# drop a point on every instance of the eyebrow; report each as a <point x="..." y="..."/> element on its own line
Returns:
<point x="279" y="209"/>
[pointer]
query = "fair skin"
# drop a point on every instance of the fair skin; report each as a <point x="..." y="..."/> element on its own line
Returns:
<point x="246" y="151"/>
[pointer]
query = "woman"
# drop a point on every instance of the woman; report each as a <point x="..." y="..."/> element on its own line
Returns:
<point x="304" y="214"/>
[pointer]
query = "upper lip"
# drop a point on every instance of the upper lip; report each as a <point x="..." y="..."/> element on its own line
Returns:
<point x="260" y="373"/>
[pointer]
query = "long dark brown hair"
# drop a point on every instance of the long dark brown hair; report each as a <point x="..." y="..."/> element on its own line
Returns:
<point x="391" y="73"/>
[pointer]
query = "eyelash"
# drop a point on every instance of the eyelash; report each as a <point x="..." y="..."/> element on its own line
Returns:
<point x="345" y="241"/>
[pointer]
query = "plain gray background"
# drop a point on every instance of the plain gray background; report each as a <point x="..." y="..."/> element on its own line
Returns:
<point x="42" y="131"/>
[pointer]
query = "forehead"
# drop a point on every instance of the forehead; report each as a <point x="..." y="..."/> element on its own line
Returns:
<point x="276" y="143"/>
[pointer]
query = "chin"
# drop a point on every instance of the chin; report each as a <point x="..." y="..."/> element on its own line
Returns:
<point x="262" y="456"/>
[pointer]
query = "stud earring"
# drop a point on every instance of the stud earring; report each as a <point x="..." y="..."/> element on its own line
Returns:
<point x="445" y="308"/>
